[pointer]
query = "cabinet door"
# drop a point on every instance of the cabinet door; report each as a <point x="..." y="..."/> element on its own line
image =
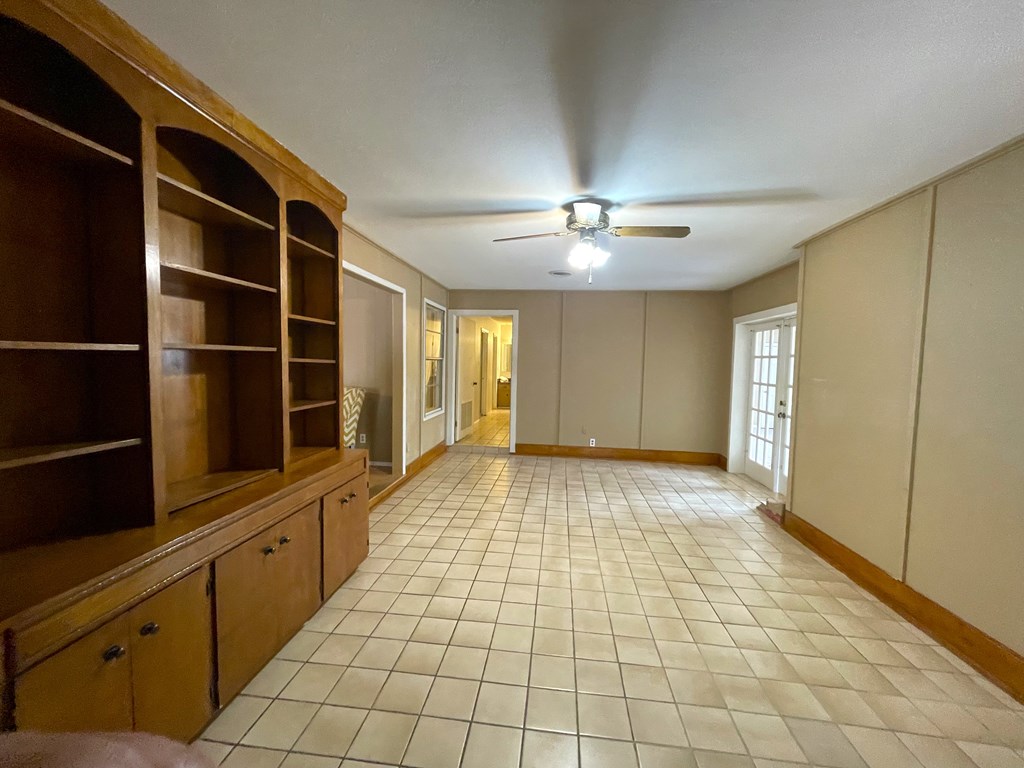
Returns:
<point x="346" y="532"/>
<point x="172" y="658"/>
<point x="85" y="687"/>
<point x="256" y="601"/>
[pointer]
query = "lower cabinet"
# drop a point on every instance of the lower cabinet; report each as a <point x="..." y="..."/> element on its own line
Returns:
<point x="149" y="668"/>
<point x="267" y="588"/>
<point x="346" y="532"/>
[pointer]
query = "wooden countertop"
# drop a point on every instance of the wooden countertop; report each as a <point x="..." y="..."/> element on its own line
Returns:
<point x="37" y="580"/>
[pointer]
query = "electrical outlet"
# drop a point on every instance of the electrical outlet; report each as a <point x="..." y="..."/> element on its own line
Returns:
<point x="593" y="442"/>
<point x="362" y="438"/>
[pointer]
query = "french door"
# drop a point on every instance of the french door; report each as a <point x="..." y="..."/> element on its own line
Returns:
<point x="770" y="411"/>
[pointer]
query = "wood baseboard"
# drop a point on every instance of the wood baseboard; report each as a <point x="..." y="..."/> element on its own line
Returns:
<point x="1000" y="664"/>
<point x="622" y="454"/>
<point x="414" y="467"/>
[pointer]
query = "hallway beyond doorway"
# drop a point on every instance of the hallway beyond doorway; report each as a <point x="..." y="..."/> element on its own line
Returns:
<point x="489" y="430"/>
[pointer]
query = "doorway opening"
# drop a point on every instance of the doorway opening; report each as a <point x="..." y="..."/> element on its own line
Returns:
<point x="374" y="373"/>
<point x="482" y="400"/>
<point x="764" y="368"/>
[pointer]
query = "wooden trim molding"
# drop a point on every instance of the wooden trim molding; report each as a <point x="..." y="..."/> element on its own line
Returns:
<point x="623" y="454"/>
<point x="414" y="467"/>
<point x="1000" y="664"/>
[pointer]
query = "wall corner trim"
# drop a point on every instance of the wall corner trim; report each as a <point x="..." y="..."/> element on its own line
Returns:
<point x="1000" y="664"/>
<point x="415" y="466"/>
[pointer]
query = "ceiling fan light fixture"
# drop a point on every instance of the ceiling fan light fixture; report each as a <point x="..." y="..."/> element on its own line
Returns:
<point x="587" y="214"/>
<point x="586" y="254"/>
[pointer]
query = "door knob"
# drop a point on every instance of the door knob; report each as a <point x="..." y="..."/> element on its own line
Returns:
<point x="114" y="652"/>
<point x="149" y="628"/>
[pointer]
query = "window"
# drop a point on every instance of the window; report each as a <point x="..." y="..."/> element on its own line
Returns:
<point x="433" y="358"/>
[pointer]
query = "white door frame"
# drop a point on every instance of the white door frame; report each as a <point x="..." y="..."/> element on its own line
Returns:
<point x="451" y="342"/>
<point x="387" y="285"/>
<point x="739" y="395"/>
<point x="485" y="371"/>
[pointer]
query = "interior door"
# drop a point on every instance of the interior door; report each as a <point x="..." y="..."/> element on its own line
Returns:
<point x="771" y="394"/>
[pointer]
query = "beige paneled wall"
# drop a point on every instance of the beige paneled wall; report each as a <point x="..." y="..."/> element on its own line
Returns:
<point x="863" y="378"/>
<point x="966" y="547"/>
<point x="358" y="250"/>
<point x="771" y="290"/>
<point x="610" y="362"/>
<point x="686" y="372"/>
<point x="602" y="368"/>
<point x="860" y="335"/>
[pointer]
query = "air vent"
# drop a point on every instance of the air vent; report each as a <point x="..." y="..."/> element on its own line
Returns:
<point x="560" y="273"/>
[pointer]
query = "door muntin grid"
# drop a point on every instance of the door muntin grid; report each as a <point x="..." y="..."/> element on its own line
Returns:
<point x="764" y="381"/>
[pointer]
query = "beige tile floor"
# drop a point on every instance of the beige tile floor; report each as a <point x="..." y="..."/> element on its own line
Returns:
<point x="546" y="613"/>
<point x="490" y="430"/>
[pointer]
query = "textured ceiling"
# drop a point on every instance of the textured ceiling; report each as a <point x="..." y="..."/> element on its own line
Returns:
<point x="755" y="123"/>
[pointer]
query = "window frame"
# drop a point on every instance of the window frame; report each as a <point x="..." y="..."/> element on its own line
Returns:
<point x="441" y="360"/>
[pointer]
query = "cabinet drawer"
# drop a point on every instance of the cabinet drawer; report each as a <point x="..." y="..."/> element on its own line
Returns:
<point x="346" y="531"/>
<point x="266" y="588"/>
<point x="172" y="658"/>
<point x="85" y="687"/>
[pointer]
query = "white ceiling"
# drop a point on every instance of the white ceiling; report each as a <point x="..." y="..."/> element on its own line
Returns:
<point x="765" y="121"/>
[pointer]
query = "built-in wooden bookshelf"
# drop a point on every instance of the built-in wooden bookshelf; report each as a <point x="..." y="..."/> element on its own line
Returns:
<point x="314" y="379"/>
<point x="219" y="271"/>
<point x="73" y="385"/>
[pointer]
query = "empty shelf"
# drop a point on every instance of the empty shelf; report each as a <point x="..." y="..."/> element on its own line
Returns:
<point x="170" y="345"/>
<point x="20" y="126"/>
<point x="311" y="361"/>
<point x="195" y="489"/>
<point x="304" y="405"/>
<point x="186" y="201"/>
<point x="303" y="452"/>
<point x="68" y="346"/>
<point x="311" y="320"/>
<point x="37" y="454"/>
<point x="299" y="247"/>
<point x="180" y="273"/>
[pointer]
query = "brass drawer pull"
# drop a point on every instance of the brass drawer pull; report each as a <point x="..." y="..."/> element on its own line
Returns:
<point x="114" y="652"/>
<point x="353" y="495"/>
<point x="149" y="628"/>
<point x="344" y="501"/>
<point x="268" y="550"/>
<point x="284" y="540"/>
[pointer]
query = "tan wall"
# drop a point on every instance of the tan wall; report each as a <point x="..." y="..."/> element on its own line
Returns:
<point x="368" y="345"/>
<point x="860" y="325"/>
<point x="775" y="289"/>
<point x="588" y="369"/>
<point x="861" y="322"/>
<point x="602" y="368"/>
<point x="686" y="372"/>
<point x="966" y="548"/>
<point x="356" y="249"/>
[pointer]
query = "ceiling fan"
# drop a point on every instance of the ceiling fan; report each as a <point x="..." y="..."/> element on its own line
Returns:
<point x="586" y="220"/>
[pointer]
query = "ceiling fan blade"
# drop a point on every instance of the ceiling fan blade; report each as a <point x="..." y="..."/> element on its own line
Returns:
<point x="649" y="231"/>
<point x="781" y="196"/>
<point x="531" y="237"/>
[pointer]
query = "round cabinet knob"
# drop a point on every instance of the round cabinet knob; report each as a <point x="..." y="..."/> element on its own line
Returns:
<point x="269" y="550"/>
<point x="114" y="652"/>
<point x="352" y="495"/>
<point x="284" y="540"/>
<point x="149" y="628"/>
<point x="344" y="501"/>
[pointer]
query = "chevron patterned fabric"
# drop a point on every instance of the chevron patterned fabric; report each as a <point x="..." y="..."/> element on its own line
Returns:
<point x="352" y="405"/>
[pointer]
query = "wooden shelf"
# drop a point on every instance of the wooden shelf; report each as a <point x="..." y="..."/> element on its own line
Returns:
<point x="20" y="126"/>
<point x="304" y="452"/>
<point x="311" y="320"/>
<point x="21" y="457"/>
<point x="305" y="405"/>
<point x="186" y="201"/>
<point x="297" y="247"/>
<point x="195" y="489"/>
<point x="68" y="346"/>
<point x="311" y="361"/>
<point x="181" y="273"/>
<point x="168" y="345"/>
